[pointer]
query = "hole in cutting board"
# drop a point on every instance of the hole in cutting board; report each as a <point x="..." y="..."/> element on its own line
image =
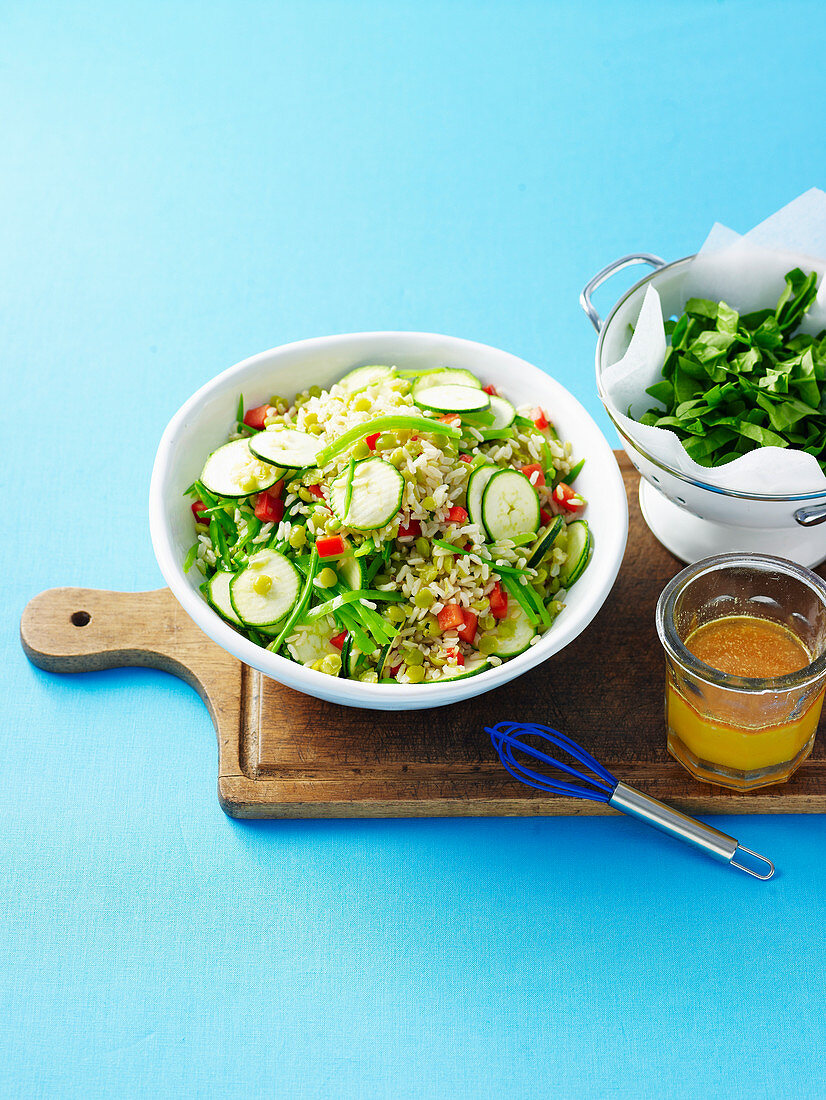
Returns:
<point x="81" y="618"/>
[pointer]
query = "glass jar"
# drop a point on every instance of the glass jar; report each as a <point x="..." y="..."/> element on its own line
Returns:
<point x="736" y="731"/>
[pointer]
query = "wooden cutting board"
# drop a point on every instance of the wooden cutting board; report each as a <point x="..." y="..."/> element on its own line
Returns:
<point x="284" y="754"/>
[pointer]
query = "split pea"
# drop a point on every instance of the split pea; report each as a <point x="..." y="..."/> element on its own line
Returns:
<point x="262" y="584"/>
<point x="424" y="598"/>
<point x="298" y="537"/>
<point x="423" y="547"/>
<point x="360" y="450"/>
<point x="415" y="673"/>
<point x="326" y="578"/>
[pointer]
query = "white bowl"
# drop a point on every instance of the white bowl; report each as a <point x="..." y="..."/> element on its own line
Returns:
<point x="202" y="423"/>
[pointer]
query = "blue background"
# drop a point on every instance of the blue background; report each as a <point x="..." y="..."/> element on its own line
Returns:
<point x="183" y="185"/>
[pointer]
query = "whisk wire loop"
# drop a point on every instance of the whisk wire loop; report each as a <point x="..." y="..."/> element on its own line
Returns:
<point x="507" y="739"/>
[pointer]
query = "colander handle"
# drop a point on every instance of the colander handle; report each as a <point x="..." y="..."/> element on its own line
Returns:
<point x="811" y="517"/>
<point x="606" y="273"/>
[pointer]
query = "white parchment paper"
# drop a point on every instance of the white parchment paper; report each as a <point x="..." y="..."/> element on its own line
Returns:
<point x="746" y="272"/>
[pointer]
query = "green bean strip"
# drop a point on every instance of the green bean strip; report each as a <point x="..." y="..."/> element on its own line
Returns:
<point x="219" y="543"/>
<point x="348" y="492"/>
<point x="384" y="423"/>
<point x="352" y="596"/>
<point x="372" y="569"/>
<point x="514" y="588"/>
<point x="191" y="555"/>
<point x="303" y="600"/>
<point x="349" y="620"/>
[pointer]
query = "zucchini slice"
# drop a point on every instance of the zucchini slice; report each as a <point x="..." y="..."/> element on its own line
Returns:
<point x="309" y="642"/>
<point x="218" y="596"/>
<point x="578" y="551"/>
<point x="503" y="411"/>
<point x="445" y="376"/>
<point x="286" y="447"/>
<point x="350" y="571"/>
<point x="475" y="488"/>
<point x="452" y="398"/>
<point x="510" y="506"/>
<point x="376" y="495"/>
<point x="259" y="604"/>
<point x="234" y="471"/>
<point x="472" y="667"/>
<point x="362" y="377"/>
<point x="545" y="541"/>
<point x="512" y="634"/>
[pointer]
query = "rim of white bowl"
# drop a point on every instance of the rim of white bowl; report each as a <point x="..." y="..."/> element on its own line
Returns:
<point x="610" y="546"/>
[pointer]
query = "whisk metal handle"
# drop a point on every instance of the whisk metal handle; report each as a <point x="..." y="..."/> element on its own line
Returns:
<point x="629" y="800"/>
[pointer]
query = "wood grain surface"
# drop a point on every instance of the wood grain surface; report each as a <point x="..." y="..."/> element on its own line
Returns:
<point x="284" y="754"/>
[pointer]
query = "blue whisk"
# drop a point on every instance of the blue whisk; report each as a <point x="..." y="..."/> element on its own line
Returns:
<point x="509" y="740"/>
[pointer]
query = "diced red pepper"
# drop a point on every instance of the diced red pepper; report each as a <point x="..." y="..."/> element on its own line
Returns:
<point x="330" y="546"/>
<point x="450" y="418"/>
<point x="491" y="391"/>
<point x="450" y="617"/>
<point x="531" y="469"/>
<point x="372" y="440"/>
<point x="454" y="651"/>
<point x="539" y="418"/>
<point x="498" y="602"/>
<point x="465" y="458"/>
<point x="568" y="498"/>
<point x="338" y="640"/>
<point x="457" y="514"/>
<point x="410" y="530"/>
<point x="467" y="631"/>
<point x="394" y="671"/>
<point x="254" y="418"/>
<point x="198" y="510"/>
<point x="316" y="490"/>
<point x="545" y="517"/>
<point x="269" y="508"/>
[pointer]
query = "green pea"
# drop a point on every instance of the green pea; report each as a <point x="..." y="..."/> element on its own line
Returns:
<point x="415" y="674"/>
<point x="298" y="537"/>
<point x="541" y="575"/>
<point x="360" y="450"/>
<point x="481" y="605"/>
<point x="333" y="526"/>
<point x="398" y="458"/>
<point x="277" y="400"/>
<point x="423" y="547"/>
<point x="314" y="391"/>
<point x="305" y="495"/>
<point x="327" y="578"/>
<point x="414" y="657"/>
<point x="331" y="664"/>
<point x="429" y="503"/>
<point x="316" y="665"/>
<point x="428" y="573"/>
<point x="395" y="613"/>
<point x="362" y="404"/>
<point x="387" y="441"/>
<point x="487" y="644"/>
<point x="431" y="627"/>
<point x="424" y="598"/>
<point x="437" y="662"/>
<point x="310" y="418"/>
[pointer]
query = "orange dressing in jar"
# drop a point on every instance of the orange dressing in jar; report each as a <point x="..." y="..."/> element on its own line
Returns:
<point x="736" y="729"/>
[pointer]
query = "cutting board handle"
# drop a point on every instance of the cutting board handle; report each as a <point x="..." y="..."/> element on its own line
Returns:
<point x="87" y="629"/>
